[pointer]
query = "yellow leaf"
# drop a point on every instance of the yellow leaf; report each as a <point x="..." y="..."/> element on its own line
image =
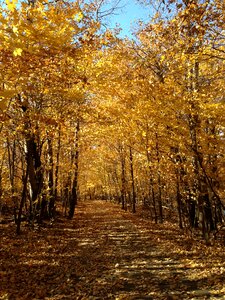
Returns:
<point x="162" y="57"/>
<point x="15" y="29"/>
<point x="79" y="16"/>
<point x="17" y="52"/>
<point x="11" y="4"/>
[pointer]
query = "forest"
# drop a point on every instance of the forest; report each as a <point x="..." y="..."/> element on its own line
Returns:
<point x="101" y="133"/>
<point x="87" y="114"/>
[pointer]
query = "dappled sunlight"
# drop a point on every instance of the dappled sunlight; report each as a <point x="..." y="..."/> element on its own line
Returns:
<point x="106" y="253"/>
<point x="38" y="262"/>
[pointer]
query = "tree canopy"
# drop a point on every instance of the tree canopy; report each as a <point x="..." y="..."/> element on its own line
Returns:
<point x="87" y="114"/>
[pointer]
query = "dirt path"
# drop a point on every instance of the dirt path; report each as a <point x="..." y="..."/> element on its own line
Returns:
<point x="105" y="253"/>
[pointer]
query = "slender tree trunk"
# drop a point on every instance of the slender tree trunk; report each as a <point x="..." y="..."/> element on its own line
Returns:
<point x="57" y="164"/>
<point x="35" y="171"/>
<point x="123" y="182"/>
<point x="159" y="181"/>
<point x="23" y="199"/>
<point x="11" y="161"/>
<point x="74" y="192"/>
<point x="51" y="205"/>
<point x="179" y="202"/>
<point x="1" y="189"/>
<point x="151" y="187"/>
<point x="132" y="182"/>
<point x="66" y="193"/>
<point x="153" y="200"/>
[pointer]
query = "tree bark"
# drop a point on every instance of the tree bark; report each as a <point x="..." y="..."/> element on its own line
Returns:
<point x="51" y="204"/>
<point x="159" y="181"/>
<point x="179" y="202"/>
<point x="57" y="164"/>
<point x="123" y="182"/>
<point x="23" y="199"/>
<point x="132" y="182"/>
<point x="74" y="191"/>
<point x="33" y="159"/>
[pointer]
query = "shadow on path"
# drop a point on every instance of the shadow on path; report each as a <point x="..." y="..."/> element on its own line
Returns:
<point x="105" y="253"/>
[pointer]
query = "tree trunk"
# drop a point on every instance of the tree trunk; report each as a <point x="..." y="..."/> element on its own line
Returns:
<point x="132" y="182"/>
<point x="11" y="161"/>
<point x="51" y="204"/>
<point x="179" y="202"/>
<point x="23" y="199"/>
<point x="35" y="171"/>
<point x="159" y="181"/>
<point x="33" y="159"/>
<point x="74" y="192"/>
<point x="151" y="187"/>
<point x="123" y="183"/>
<point x="57" y="164"/>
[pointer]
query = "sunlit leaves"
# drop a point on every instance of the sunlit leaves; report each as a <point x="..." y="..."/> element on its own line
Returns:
<point x="161" y="95"/>
<point x="79" y="16"/>
<point x="11" y="4"/>
<point x="17" y="52"/>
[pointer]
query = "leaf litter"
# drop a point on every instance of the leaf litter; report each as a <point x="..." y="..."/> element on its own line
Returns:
<point x="107" y="253"/>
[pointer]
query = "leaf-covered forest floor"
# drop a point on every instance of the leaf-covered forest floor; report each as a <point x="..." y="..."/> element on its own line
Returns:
<point x="106" y="253"/>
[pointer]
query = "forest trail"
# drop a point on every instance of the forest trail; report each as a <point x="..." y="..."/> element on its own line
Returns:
<point x="106" y="253"/>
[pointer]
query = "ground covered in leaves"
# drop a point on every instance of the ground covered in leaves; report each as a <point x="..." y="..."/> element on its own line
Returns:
<point x="106" y="253"/>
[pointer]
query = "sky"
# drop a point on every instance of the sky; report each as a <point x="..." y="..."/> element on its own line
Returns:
<point x="128" y="15"/>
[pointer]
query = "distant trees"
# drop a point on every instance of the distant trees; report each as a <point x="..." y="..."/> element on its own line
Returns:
<point x="45" y="50"/>
<point x="165" y="126"/>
